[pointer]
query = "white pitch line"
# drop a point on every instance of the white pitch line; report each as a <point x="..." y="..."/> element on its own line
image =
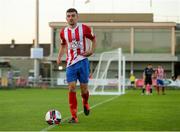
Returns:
<point x="80" y="112"/>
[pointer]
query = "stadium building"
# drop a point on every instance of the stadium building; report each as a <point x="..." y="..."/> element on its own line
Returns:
<point x="142" y="40"/>
<point x="16" y="57"/>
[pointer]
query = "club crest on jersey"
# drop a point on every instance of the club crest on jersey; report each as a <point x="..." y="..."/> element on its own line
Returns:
<point x="75" y="44"/>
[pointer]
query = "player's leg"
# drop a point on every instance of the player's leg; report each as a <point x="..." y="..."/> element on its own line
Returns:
<point x="150" y="84"/>
<point x="148" y="87"/>
<point x="163" y="90"/>
<point x="144" y="87"/>
<point x="84" y="78"/>
<point x="71" y="75"/>
<point x="85" y="97"/>
<point x="162" y="87"/>
<point x="132" y="84"/>
<point x="157" y="87"/>
<point x="73" y="102"/>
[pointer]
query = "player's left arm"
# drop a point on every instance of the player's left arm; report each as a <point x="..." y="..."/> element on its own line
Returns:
<point x="91" y="51"/>
<point x="155" y="73"/>
<point x="164" y="75"/>
<point x="144" y="75"/>
<point x="91" y="36"/>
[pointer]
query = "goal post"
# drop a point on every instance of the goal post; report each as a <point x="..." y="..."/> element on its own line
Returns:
<point x="109" y="75"/>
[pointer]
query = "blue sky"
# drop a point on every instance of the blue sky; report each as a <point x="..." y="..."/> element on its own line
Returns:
<point x="17" y="17"/>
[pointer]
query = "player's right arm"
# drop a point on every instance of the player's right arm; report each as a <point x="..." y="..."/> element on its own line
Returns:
<point x="156" y="73"/>
<point x="61" y="53"/>
<point x="62" y="47"/>
<point x="144" y="76"/>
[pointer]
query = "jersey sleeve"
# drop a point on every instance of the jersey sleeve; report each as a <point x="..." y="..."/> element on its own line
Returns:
<point x="88" y="33"/>
<point x="62" y="38"/>
<point x="156" y="71"/>
<point x="153" y="70"/>
<point x="144" y="71"/>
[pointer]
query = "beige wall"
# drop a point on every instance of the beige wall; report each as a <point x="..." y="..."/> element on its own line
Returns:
<point x="109" y="17"/>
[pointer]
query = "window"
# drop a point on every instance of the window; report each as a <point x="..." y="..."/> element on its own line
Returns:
<point x="152" y="41"/>
<point x="177" y="42"/>
<point x="109" y="39"/>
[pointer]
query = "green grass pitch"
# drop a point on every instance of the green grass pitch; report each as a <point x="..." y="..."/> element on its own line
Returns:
<point x="24" y="109"/>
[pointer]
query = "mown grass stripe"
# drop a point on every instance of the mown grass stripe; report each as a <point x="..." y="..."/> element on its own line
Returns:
<point x="80" y="112"/>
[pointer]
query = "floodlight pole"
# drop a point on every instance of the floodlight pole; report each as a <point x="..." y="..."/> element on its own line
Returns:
<point x="151" y="3"/>
<point x="73" y="4"/>
<point x="36" y="45"/>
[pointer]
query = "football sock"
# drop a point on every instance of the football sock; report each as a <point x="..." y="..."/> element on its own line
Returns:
<point x="73" y="104"/>
<point x="163" y="89"/>
<point x="147" y="89"/>
<point x="85" y="97"/>
<point x="143" y="90"/>
<point x="150" y="90"/>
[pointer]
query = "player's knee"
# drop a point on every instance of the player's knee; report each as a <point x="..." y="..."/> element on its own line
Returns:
<point x="72" y="90"/>
<point x="84" y="88"/>
<point x="72" y="87"/>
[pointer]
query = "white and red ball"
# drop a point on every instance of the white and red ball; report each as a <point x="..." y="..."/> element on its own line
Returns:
<point x="53" y="117"/>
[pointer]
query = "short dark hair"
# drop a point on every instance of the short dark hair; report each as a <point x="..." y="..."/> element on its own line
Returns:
<point x="72" y="10"/>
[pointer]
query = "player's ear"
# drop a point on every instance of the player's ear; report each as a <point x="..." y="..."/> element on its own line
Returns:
<point x="77" y="16"/>
<point x="66" y="18"/>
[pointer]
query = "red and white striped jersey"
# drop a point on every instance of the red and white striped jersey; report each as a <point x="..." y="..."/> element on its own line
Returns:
<point x="75" y="41"/>
<point x="160" y="73"/>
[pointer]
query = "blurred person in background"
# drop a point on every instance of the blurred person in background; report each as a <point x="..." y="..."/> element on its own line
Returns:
<point x="160" y="75"/>
<point x="147" y="77"/>
<point x="132" y="80"/>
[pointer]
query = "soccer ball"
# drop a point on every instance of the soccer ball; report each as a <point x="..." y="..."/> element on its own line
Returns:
<point x="53" y="117"/>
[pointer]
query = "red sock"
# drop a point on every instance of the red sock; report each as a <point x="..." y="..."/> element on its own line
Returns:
<point x="85" y="98"/>
<point x="73" y="104"/>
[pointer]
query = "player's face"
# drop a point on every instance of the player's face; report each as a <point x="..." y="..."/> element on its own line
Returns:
<point x="72" y="18"/>
<point x="149" y="66"/>
<point x="159" y="66"/>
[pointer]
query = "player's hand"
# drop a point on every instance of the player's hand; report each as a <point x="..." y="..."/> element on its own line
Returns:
<point x="58" y="61"/>
<point x="88" y="53"/>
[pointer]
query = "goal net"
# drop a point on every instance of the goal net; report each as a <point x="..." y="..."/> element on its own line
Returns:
<point x="109" y="75"/>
